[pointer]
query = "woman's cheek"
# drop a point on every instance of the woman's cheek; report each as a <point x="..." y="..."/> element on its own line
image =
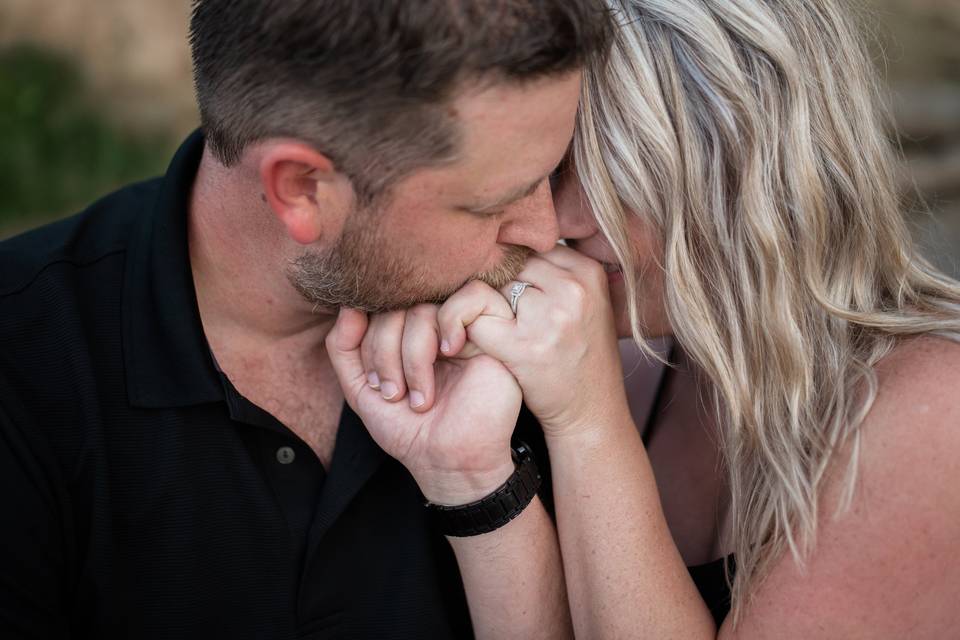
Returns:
<point x="650" y="307"/>
<point x="621" y="314"/>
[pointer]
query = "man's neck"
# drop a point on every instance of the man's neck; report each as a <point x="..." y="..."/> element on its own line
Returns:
<point x="266" y="338"/>
<point x="237" y="259"/>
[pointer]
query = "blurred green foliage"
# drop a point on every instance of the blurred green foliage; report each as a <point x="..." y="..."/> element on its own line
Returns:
<point x="58" y="153"/>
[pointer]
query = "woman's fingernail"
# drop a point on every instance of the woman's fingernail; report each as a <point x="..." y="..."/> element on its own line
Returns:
<point x="416" y="399"/>
<point x="389" y="390"/>
<point x="445" y="346"/>
<point x="373" y="379"/>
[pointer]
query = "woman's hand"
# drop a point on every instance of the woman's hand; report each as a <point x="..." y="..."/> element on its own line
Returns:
<point x="561" y="346"/>
<point x="458" y="447"/>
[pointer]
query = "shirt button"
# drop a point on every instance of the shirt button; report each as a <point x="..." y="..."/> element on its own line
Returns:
<point x="286" y="455"/>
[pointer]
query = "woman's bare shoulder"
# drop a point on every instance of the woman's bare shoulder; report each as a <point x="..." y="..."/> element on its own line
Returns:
<point x="910" y="439"/>
<point x="919" y="385"/>
<point x="887" y="566"/>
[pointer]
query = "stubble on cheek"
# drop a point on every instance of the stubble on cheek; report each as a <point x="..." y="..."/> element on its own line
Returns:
<point x="359" y="274"/>
<point x="508" y="269"/>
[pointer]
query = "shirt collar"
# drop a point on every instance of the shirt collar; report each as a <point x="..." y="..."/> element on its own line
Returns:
<point x="166" y="355"/>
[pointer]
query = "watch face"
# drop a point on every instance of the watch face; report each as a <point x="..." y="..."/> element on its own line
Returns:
<point x="520" y="451"/>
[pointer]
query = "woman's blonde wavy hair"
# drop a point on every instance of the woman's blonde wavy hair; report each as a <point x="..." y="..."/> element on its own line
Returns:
<point x="750" y="136"/>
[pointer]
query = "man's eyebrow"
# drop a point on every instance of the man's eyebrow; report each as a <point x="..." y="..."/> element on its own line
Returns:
<point x="513" y="196"/>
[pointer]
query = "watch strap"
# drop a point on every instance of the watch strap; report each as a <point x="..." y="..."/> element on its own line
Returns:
<point x="495" y="510"/>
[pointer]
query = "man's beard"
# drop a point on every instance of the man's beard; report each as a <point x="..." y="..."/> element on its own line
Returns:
<point x="360" y="272"/>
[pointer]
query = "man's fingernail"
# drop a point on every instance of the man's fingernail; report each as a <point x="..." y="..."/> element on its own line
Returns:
<point x="373" y="379"/>
<point x="416" y="399"/>
<point x="445" y="346"/>
<point x="389" y="390"/>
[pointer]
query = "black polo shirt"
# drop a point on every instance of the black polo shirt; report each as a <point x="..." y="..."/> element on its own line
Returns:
<point x="144" y="497"/>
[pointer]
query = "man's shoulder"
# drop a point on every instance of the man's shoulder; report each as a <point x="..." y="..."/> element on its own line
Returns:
<point x="104" y="228"/>
<point x="60" y="301"/>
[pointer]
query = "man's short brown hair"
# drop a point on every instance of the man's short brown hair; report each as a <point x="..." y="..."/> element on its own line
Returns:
<point x="369" y="83"/>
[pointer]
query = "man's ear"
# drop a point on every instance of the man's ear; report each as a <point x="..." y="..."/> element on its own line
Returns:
<point x="305" y="191"/>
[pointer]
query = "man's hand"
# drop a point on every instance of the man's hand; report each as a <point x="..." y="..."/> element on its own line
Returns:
<point x="458" y="450"/>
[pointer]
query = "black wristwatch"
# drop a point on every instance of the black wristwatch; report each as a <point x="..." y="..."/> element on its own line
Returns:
<point x="498" y="508"/>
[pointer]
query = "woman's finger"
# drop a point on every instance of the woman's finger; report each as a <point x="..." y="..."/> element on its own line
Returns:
<point x="566" y="258"/>
<point x="475" y="299"/>
<point x="540" y="273"/>
<point x="555" y="290"/>
<point x="523" y="293"/>
<point x="381" y="353"/>
<point x="584" y="269"/>
<point x="419" y="354"/>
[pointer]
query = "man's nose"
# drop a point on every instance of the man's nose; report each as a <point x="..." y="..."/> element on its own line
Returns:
<point x="534" y="224"/>
<point x="574" y="218"/>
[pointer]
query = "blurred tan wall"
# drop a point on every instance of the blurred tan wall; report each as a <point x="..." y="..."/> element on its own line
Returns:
<point x="134" y="52"/>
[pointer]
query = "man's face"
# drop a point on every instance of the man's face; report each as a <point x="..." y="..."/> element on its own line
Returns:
<point x="477" y="218"/>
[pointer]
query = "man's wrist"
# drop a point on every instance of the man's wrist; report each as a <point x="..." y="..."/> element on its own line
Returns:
<point x="496" y="509"/>
<point x="455" y="488"/>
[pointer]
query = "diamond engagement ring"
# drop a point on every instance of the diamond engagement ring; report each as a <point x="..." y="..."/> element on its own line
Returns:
<point x="515" y="292"/>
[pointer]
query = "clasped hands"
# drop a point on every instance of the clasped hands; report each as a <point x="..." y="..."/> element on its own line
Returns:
<point x="439" y="388"/>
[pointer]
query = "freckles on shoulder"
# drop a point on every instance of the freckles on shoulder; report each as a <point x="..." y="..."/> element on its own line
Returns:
<point x="913" y="426"/>
<point x="919" y="382"/>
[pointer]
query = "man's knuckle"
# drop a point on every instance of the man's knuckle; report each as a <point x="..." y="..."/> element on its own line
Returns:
<point x="445" y="315"/>
<point x="574" y="292"/>
<point x="423" y="312"/>
<point x="386" y="360"/>
<point x="415" y="370"/>
<point x="595" y="273"/>
<point x="474" y="287"/>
